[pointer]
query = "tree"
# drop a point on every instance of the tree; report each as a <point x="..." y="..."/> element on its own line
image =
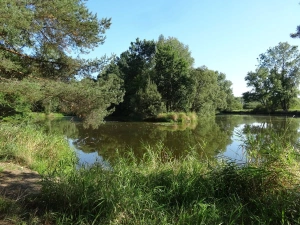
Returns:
<point x="261" y="89"/>
<point x="205" y="97"/>
<point x="135" y="67"/>
<point x="173" y="63"/>
<point x="236" y="104"/>
<point x="211" y="92"/>
<point x="226" y="99"/>
<point x="297" y="34"/>
<point x="38" y="40"/>
<point x="87" y="99"/>
<point x="275" y="82"/>
<point x="37" y="37"/>
<point x="148" y="101"/>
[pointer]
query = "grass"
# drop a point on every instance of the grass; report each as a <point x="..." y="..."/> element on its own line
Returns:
<point x="178" y="117"/>
<point x="162" y="189"/>
<point x="31" y="146"/>
<point x="43" y="116"/>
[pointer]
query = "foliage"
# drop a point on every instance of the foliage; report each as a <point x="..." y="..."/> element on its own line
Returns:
<point x="38" y="71"/>
<point x="148" y="101"/>
<point x="251" y="105"/>
<point x="31" y="146"/>
<point x="206" y="91"/>
<point x="297" y="34"/>
<point x="211" y="92"/>
<point x="173" y="62"/>
<point x="226" y="100"/>
<point x="134" y="67"/>
<point x="235" y="104"/>
<point x="165" y="68"/>
<point x="39" y="36"/>
<point x="90" y="103"/>
<point x="295" y="103"/>
<point x="38" y="55"/>
<point x="275" y="82"/>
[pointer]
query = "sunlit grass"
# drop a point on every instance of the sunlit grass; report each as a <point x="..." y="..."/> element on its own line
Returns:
<point x="179" y="117"/>
<point x="42" y="116"/>
<point x="162" y="189"/>
<point x="29" y="145"/>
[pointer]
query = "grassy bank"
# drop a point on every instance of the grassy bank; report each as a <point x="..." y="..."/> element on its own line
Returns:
<point x="161" y="189"/>
<point x="29" y="145"/>
<point x="42" y="116"/>
<point x="290" y="113"/>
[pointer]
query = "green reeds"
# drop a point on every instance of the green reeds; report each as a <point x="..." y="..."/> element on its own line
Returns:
<point x="179" y="117"/>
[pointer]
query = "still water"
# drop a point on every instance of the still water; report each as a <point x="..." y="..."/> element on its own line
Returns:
<point x="220" y="136"/>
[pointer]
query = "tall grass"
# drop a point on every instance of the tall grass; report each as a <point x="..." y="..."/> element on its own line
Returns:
<point x="179" y="117"/>
<point x="162" y="189"/>
<point x="31" y="146"/>
<point x="36" y="116"/>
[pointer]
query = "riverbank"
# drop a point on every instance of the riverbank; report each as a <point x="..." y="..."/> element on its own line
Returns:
<point x="291" y="113"/>
<point x="170" y="117"/>
<point x="158" y="189"/>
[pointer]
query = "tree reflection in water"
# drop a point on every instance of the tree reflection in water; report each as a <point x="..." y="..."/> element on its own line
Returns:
<point x="210" y="137"/>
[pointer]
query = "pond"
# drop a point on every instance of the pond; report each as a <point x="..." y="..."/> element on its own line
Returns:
<point x="221" y="136"/>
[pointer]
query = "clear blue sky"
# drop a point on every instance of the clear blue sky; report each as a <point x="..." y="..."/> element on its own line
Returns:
<point x="226" y="36"/>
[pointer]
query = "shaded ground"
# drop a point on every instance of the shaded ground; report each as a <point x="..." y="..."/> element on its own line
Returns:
<point x="16" y="182"/>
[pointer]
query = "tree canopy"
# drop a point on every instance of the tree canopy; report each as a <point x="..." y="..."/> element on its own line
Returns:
<point x="40" y="47"/>
<point x="276" y="79"/>
<point x="134" y="67"/>
<point x="173" y="62"/>
<point x="159" y="77"/>
<point x="38" y="38"/>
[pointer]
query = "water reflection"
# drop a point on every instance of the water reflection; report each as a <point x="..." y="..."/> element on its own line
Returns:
<point x="267" y="134"/>
<point x="210" y="137"/>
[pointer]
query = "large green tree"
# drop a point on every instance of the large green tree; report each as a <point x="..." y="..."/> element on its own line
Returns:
<point x="135" y="67"/>
<point x="147" y="101"/>
<point x="158" y="76"/>
<point x="173" y="62"/>
<point x="261" y="89"/>
<point x="205" y="91"/>
<point x="276" y="80"/>
<point x="226" y="100"/>
<point x="211" y="92"/>
<point x="39" y="41"/>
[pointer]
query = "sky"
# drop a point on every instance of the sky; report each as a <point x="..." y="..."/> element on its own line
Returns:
<point x="225" y="36"/>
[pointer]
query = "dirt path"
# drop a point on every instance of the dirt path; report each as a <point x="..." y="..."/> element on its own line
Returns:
<point x="17" y="181"/>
